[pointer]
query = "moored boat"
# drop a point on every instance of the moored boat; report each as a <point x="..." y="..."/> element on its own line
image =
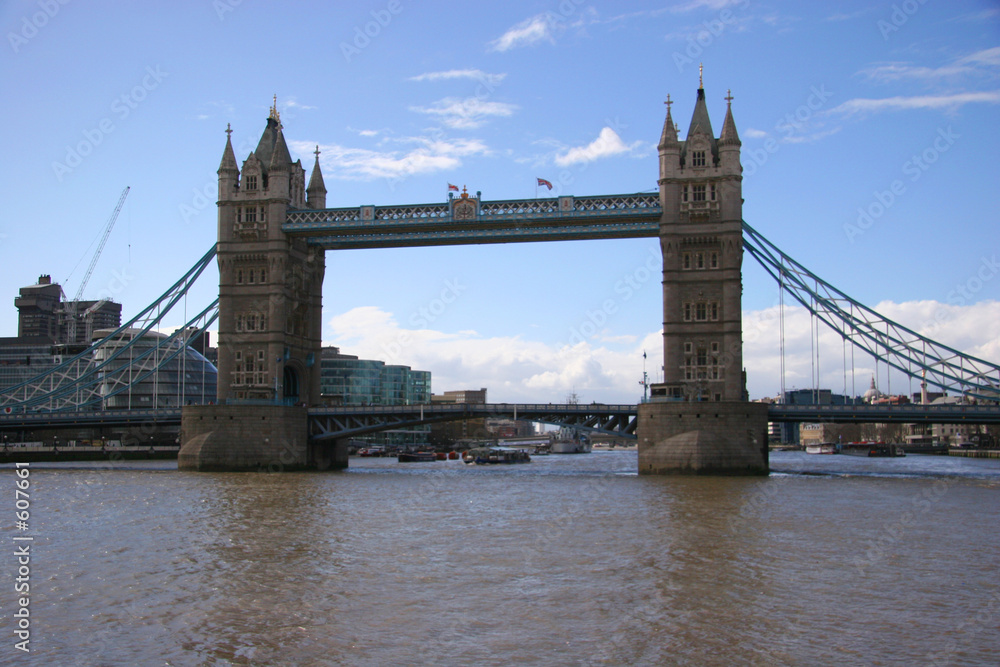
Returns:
<point x="822" y="448"/>
<point x="415" y="457"/>
<point x="871" y="448"/>
<point x="492" y="455"/>
<point x="570" y="441"/>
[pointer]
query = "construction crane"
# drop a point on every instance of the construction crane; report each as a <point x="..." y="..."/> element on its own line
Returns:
<point x="71" y="315"/>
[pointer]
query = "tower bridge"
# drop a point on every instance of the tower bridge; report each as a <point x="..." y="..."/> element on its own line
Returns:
<point x="273" y="232"/>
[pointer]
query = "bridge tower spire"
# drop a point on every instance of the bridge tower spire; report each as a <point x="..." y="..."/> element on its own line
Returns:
<point x="701" y="238"/>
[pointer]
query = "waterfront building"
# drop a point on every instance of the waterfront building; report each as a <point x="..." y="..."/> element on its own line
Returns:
<point x="790" y="431"/>
<point x="347" y="380"/>
<point x="447" y="433"/>
<point x="164" y="376"/>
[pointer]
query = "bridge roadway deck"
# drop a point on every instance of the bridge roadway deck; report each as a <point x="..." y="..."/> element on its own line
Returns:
<point x="885" y="414"/>
<point x="346" y="422"/>
<point x="616" y="419"/>
<point x="513" y="221"/>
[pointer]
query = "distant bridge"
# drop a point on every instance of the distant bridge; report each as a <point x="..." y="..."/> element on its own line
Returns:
<point x="613" y="419"/>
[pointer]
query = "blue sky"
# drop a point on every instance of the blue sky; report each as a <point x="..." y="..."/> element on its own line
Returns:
<point x="869" y="151"/>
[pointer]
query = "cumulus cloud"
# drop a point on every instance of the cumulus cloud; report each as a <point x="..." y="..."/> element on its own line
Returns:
<point x="467" y="113"/>
<point x="607" y="144"/>
<point x="423" y="156"/>
<point x="512" y="367"/>
<point x="474" y="74"/>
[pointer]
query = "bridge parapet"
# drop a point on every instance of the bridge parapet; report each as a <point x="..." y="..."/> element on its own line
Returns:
<point x="392" y="218"/>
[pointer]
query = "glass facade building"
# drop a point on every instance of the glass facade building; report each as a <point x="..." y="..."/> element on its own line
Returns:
<point x="186" y="378"/>
<point x="347" y="380"/>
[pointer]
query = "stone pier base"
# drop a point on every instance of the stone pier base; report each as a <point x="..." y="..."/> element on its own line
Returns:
<point x="259" y="438"/>
<point x="725" y="438"/>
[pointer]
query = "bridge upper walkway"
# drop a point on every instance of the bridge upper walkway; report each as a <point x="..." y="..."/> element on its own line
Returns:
<point x="508" y="221"/>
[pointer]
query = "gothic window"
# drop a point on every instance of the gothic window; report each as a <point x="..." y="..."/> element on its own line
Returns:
<point x="250" y="275"/>
<point x="239" y="276"/>
<point x="263" y="213"/>
<point x="250" y="214"/>
<point x="700" y="260"/>
<point x="715" y="348"/>
<point x="698" y="193"/>
<point x="687" y="312"/>
<point x="684" y="194"/>
<point x="687" y="348"/>
<point x="713" y="191"/>
<point x="714" y="260"/>
<point x="700" y="312"/>
<point x="698" y="158"/>
<point x="263" y="275"/>
<point x="687" y="260"/>
<point x="252" y="182"/>
<point x="702" y="357"/>
<point x="714" y="308"/>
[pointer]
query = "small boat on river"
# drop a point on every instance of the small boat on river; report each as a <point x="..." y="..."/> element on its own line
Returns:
<point x="415" y="457"/>
<point x="822" y="448"/>
<point x="871" y="448"/>
<point x="493" y="455"/>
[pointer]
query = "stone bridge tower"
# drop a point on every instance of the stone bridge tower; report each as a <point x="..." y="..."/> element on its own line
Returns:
<point x="270" y="285"/>
<point x="270" y="320"/>
<point x="699" y="419"/>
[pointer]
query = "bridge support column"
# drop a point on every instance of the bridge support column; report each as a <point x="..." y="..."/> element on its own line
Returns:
<point x="704" y="438"/>
<point x="262" y="438"/>
<point x="328" y="454"/>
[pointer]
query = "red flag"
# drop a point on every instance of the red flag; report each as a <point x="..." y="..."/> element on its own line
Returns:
<point x="542" y="181"/>
<point x="452" y="188"/>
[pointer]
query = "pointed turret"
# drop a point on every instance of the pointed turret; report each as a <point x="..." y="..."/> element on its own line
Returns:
<point x="229" y="172"/>
<point x="317" y="188"/>
<point x="701" y="125"/>
<point x="228" y="156"/>
<point x="669" y="135"/>
<point x="280" y="157"/>
<point x="729" y="137"/>
<point x="265" y="147"/>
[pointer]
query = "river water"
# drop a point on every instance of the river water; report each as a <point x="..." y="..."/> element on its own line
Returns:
<point x="567" y="560"/>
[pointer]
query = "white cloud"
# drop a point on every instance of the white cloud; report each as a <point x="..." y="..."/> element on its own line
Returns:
<point x="606" y="144"/>
<point x="474" y="74"/>
<point x="980" y="62"/>
<point x="291" y="103"/>
<point x="526" y="33"/>
<point x="605" y="370"/>
<point x="467" y="113"/>
<point x="714" y="5"/>
<point x="971" y="329"/>
<point x="362" y="164"/>
<point x="512" y="368"/>
<point x="899" y="103"/>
